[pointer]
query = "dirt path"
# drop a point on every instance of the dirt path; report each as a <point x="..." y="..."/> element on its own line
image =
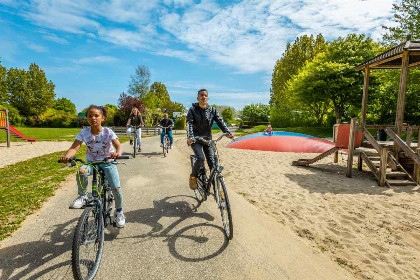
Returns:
<point x="164" y="237"/>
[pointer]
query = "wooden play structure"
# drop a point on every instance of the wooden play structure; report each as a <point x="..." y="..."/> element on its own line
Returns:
<point x="393" y="163"/>
<point x="10" y="130"/>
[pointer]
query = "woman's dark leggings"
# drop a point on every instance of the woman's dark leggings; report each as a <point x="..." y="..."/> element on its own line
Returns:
<point x="198" y="151"/>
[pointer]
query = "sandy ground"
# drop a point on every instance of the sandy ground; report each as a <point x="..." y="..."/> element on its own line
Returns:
<point x="20" y="151"/>
<point x="374" y="232"/>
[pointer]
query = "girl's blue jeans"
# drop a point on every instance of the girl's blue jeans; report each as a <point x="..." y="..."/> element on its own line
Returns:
<point x="111" y="175"/>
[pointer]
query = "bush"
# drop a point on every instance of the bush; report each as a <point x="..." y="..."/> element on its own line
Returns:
<point x="53" y="118"/>
<point x="180" y="122"/>
<point x="284" y="117"/>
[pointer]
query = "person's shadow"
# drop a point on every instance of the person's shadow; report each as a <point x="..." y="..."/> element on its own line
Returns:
<point x="173" y="206"/>
<point x="28" y="256"/>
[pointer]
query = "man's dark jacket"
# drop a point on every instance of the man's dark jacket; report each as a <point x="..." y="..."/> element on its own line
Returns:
<point x="166" y="123"/>
<point x="200" y="121"/>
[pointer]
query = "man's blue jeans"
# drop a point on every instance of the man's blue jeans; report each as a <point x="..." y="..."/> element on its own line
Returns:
<point x="169" y="134"/>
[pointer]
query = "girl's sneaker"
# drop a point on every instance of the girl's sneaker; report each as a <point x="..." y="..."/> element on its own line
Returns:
<point x="79" y="202"/>
<point x="119" y="219"/>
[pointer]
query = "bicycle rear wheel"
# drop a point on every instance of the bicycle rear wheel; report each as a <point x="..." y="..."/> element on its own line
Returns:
<point x="88" y="244"/>
<point x="200" y="192"/>
<point x="223" y="204"/>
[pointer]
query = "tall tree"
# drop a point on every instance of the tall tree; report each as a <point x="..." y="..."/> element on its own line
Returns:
<point x="64" y="104"/>
<point x="139" y="84"/>
<point x="157" y="97"/>
<point x="227" y="114"/>
<point x="304" y="49"/>
<point x="30" y="91"/>
<point x="127" y="102"/>
<point x="255" y="113"/>
<point x="407" y="19"/>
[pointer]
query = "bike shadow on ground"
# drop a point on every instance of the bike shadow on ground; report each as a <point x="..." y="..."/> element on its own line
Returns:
<point x="19" y="261"/>
<point x="180" y="236"/>
<point x="150" y="154"/>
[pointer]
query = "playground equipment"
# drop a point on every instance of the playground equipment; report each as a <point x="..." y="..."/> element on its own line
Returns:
<point x="393" y="163"/>
<point x="10" y="130"/>
<point x="281" y="141"/>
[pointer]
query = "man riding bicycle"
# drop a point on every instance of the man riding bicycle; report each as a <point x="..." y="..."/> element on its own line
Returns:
<point x="169" y="124"/>
<point x="200" y="120"/>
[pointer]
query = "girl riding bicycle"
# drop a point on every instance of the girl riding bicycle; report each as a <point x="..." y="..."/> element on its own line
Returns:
<point x="100" y="142"/>
<point x="136" y="121"/>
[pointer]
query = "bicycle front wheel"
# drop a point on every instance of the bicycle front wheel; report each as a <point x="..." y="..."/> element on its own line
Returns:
<point x="200" y="192"/>
<point x="134" y="147"/>
<point x="222" y="201"/>
<point x="88" y="244"/>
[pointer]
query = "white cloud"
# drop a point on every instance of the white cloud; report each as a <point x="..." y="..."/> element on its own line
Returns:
<point x="248" y="36"/>
<point x="55" y="38"/>
<point x="36" y="47"/>
<point x="95" y="60"/>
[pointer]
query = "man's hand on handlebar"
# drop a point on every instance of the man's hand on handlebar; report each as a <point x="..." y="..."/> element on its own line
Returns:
<point x="189" y="141"/>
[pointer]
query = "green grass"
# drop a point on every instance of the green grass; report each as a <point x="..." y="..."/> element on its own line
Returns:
<point x="48" y="134"/>
<point x="21" y="195"/>
<point x="322" y="132"/>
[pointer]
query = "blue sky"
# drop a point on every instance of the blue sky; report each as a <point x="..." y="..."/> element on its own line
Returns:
<point x="90" y="49"/>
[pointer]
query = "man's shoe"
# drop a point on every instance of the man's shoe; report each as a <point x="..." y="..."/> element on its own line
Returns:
<point x="193" y="182"/>
<point x="139" y="149"/>
<point x="171" y="147"/>
<point x="119" y="219"/>
<point x="131" y="141"/>
<point x="79" y="202"/>
<point x="161" y="145"/>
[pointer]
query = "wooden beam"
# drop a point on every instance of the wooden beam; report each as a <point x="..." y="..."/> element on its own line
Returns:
<point x="414" y="64"/>
<point x="382" y="166"/>
<point x="380" y="62"/>
<point x="408" y="137"/>
<point x="360" y="163"/>
<point x="401" y="145"/>
<point x="365" y="96"/>
<point x="399" y="120"/>
<point x="351" y="147"/>
<point x="416" y="174"/>
<point x="7" y="129"/>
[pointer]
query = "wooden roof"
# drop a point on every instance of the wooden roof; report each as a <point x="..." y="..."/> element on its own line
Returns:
<point x="392" y="58"/>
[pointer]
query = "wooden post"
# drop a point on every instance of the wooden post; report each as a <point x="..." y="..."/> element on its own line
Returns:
<point x="7" y="129"/>
<point x="351" y="147"/>
<point x="365" y="96"/>
<point x="408" y="136"/>
<point x="335" y="130"/>
<point x="360" y="163"/>
<point x="416" y="173"/>
<point x="399" y="119"/>
<point x="382" y="166"/>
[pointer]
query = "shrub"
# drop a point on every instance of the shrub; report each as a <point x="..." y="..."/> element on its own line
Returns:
<point x="14" y="116"/>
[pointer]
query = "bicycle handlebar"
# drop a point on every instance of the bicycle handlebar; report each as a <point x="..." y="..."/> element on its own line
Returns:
<point x="207" y="142"/>
<point x="105" y="160"/>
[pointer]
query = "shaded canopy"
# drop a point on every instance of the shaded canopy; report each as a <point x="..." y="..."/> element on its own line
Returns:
<point x="392" y="58"/>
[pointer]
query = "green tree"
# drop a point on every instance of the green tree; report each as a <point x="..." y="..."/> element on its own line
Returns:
<point x="3" y="84"/>
<point x="304" y="49"/>
<point x="30" y="91"/>
<point x="157" y="97"/>
<point x="65" y="105"/>
<point x="227" y="114"/>
<point x="407" y="19"/>
<point x="255" y="113"/>
<point x="139" y="84"/>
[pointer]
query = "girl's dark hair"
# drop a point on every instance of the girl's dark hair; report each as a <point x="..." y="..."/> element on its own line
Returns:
<point x="203" y="89"/>
<point x="103" y="109"/>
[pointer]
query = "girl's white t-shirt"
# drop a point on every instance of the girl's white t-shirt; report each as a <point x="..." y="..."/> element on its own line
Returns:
<point x="98" y="146"/>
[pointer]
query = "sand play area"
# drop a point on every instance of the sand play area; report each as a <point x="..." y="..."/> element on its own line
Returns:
<point x="20" y="151"/>
<point x="372" y="231"/>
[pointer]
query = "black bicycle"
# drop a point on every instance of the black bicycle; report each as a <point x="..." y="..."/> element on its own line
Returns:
<point x="88" y="240"/>
<point x="216" y="179"/>
<point x="135" y="149"/>
<point x="166" y="141"/>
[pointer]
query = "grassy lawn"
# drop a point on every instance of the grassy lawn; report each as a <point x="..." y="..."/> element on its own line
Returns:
<point x="21" y="195"/>
<point x="48" y="134"/>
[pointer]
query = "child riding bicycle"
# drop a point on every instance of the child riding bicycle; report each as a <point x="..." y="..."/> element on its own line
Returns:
<point x="100" y="142"/>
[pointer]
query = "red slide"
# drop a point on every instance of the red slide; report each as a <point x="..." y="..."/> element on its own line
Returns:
<point x="15" y="133"/>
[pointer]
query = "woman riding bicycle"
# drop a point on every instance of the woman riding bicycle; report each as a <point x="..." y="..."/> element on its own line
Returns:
<point x="169" y="124"/>
<point x="136" y="121"/>
<point x="200" y="120"/>
<point x="100" y="142"/>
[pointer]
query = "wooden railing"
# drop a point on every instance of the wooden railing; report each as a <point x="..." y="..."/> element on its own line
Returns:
<point x="403" y="146"/>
